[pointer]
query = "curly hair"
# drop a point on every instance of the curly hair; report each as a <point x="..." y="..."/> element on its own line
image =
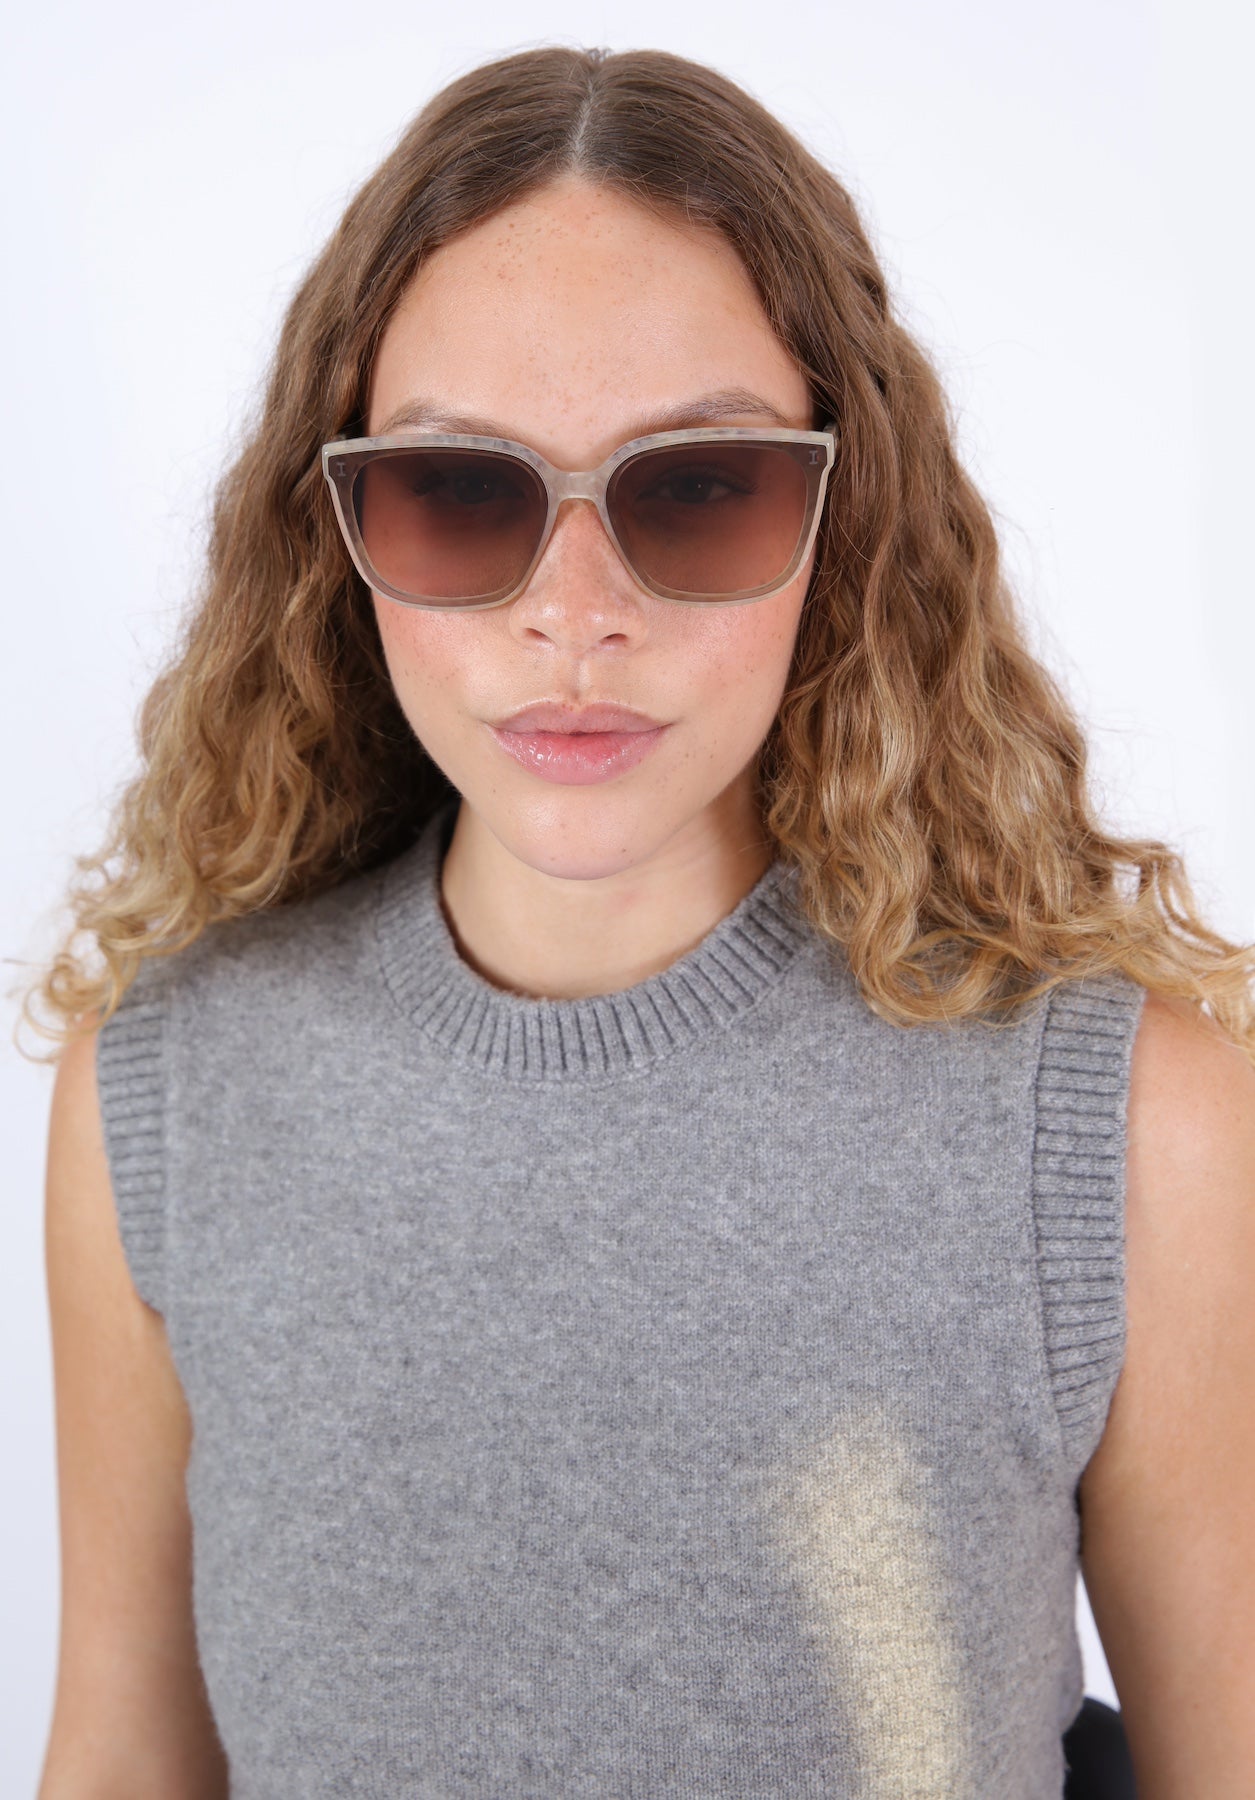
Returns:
<point x="924" y="774"/>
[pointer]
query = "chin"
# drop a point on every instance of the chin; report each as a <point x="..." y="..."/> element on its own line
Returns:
<point x="582" y="834"/>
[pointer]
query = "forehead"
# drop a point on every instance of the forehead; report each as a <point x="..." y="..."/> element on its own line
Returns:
<point x="570" y="314"/>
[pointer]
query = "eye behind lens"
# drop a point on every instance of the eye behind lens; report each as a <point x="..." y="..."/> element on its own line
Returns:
<point x="444" y="526"/>
<point x="710" y="522"/>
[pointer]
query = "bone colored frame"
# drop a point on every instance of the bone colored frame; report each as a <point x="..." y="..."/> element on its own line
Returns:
<point x="815" y="451"/>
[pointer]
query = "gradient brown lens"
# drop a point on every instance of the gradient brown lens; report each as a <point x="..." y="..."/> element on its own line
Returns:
<point x="711" y="519"/>
<point x="449" y="525"/>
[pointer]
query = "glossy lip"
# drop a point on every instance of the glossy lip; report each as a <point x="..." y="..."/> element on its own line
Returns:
<point x="578" y="759"/>
<point x="551" y="716"/>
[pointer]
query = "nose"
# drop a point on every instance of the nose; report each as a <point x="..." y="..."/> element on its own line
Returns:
<point x="580" y="592"/>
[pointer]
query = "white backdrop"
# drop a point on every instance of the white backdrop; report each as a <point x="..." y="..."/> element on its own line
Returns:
<point x="1059" y="197"/>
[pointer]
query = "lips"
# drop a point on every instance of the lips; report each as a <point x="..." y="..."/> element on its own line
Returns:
<point x="579" y="759"/>
<point x="577" y="720"/>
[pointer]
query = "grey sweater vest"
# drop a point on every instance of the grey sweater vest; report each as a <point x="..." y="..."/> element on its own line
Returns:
<point x="681" y="1391"/>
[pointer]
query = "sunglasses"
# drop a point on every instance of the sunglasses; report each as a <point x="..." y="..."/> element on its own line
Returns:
<point x="719" y="516"/>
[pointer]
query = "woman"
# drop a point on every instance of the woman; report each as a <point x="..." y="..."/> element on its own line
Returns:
<point x="638" y="1176"/>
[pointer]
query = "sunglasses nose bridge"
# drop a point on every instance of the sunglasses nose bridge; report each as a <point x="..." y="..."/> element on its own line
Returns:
<point x="588" y="485"/>
<point x="576" y="484"/>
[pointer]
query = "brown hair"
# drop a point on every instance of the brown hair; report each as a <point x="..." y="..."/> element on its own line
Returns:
<point x="924" y="773"/>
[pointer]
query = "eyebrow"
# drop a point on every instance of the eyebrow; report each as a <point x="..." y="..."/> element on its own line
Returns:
<point x="706" y="409"/>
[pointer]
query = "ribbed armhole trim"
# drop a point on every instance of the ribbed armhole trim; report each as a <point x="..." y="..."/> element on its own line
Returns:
<point x="130" y="1081"/>
<point x="1079" y="1157"/>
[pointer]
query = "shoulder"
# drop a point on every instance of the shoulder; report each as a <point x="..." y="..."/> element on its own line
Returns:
<point x="245" y="991"/>
<point x="1189" y="1211"/>
<point x="1190" y="1200"/>
<point x="276" y="954"/>
<point x="1191" y="1131"/>
<point x="1167" y="1541"/>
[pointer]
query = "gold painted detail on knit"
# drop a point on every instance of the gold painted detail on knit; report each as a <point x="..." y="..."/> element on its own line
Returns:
<point x="857" y="1533"/>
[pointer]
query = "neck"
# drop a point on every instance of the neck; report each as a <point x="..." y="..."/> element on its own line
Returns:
<point x="548" y="937"/>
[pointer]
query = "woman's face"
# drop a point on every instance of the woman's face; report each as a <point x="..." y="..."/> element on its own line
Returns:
<point x="571" y="321"/>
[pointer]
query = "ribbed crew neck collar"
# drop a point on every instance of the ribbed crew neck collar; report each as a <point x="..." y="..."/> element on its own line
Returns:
<point x="602" y="1036"/>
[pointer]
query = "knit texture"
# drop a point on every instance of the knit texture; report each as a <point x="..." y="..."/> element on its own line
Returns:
<point x="681" y="1391"/>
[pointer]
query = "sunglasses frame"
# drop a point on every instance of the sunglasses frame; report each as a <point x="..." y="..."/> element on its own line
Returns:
<point x="343" y="459"/>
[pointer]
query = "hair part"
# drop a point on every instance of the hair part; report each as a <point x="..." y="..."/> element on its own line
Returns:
<point x="924" y="773"/>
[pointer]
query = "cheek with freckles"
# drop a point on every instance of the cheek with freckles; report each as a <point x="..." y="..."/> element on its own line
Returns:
<point x="439" y="665"/>
<point x="741" y="670"/>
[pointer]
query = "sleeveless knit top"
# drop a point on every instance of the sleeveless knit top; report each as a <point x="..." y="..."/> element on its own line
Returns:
<point x="676" y="1392"/>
